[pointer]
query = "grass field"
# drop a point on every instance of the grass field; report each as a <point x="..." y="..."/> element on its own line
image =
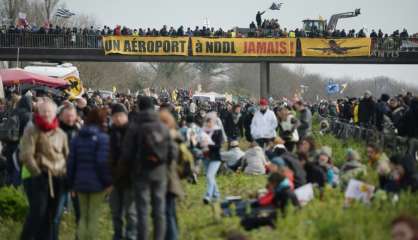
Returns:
<point x="326" y="219"/>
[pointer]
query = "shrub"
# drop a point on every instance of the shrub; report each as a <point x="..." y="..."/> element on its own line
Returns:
<point x="13" y="203"/>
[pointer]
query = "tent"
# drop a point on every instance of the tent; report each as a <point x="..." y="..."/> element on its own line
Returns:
<point x="18" y="76"/>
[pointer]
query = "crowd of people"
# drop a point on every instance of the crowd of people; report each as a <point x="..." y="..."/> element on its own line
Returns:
<point x="259" y="28"/>
<point x="135" y="150"/>
<point x="396" y="115"/>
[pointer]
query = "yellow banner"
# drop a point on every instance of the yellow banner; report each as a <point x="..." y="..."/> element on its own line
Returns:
<point x="347" y="47"/>
<point x="240" y="47"/>
<point x="136" y="45"/>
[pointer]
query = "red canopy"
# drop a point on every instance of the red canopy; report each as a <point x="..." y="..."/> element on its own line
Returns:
<point x="18" y="76"/>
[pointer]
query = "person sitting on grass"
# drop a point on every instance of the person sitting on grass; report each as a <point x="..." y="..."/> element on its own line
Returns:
<point x="325" y="162"/>
<point x="282" y="196"/>
<point x="278" y="164"/>
<point x="379" y="161"/>
<point x="254" y="160"/>
<point x="233" y="156"/>
<point x="352" y="168"/>
<point x="307" y="146"/>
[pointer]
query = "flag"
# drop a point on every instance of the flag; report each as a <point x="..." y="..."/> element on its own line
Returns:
<point x="64" y="13"/>
<point x="114" y="89"/>
<point x="343" y="87"/>
<point x="276" y="6"/>
<point x="333" y="88"/>
<point x="21" y="21"/>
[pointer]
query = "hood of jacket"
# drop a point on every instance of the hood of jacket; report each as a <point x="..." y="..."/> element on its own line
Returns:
<point x="146" y="116"/>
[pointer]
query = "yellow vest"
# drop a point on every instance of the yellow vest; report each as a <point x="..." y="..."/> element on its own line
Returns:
<point x="292" y="34"/>
<point x="355" y="114"/>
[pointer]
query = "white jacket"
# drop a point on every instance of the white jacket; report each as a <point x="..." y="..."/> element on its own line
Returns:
<point x="264" y="125"/>
<point x="255" y="161"/>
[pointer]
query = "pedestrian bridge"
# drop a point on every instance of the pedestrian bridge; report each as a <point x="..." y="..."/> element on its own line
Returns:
<point x="93" y="48"/>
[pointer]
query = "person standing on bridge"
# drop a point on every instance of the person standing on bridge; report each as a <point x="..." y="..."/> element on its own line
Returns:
<point x="258" y="18"/>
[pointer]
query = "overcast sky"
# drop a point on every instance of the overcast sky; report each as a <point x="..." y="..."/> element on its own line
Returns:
<point x="387" y="15"/>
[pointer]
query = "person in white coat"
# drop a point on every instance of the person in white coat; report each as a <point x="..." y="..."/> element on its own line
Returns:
<point x="254" y="160"/>
<point x="264" y="124"/>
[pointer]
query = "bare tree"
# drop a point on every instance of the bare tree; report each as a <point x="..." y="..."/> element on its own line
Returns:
<point x="9" y="9"/>
<point x="208" y="71"/>
<point x="49" y="6"/>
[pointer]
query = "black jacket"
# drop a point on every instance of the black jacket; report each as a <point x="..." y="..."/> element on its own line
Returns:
<point x="366" y="111"/>
<point x="135" y="147"/>
<point x="215" y="150"/>
<point x="409" y="126"/>
<point x="233" y="129"/>
<point x="119" y="171"/>
<point x="247" y="119"/>
<point x="315" y="174"/>
<point x="24" y="112"/>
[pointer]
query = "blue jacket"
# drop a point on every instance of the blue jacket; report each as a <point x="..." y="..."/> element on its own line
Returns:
<point x="88" y="163"/>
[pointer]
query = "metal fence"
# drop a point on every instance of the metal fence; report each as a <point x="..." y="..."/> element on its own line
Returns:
<point x="388" y="140"/>
<point x="381" y="47"/>
<point x="34" y="40"/>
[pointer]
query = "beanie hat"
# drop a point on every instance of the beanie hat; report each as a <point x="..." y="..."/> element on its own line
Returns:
<point x="145" y="103"/>
<point x="384" y="97"/>
<point x="326" y="150"/>
<point x="119" y="108"/>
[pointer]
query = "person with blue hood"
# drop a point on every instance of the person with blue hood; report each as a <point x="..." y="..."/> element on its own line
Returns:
<point x="88" y="171"/>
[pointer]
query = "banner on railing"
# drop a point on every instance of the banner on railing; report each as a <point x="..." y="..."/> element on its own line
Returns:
<point x="244" y="47"/>
<point x="348" y="47"/>
<point x="157" y="46"/>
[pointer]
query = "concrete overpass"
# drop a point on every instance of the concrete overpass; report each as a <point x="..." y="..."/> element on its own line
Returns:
<point x="22" y="51"/>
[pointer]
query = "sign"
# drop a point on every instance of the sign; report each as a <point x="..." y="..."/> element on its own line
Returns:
<point x="359" y="191"/>
<point x="305" y="194"/>
<point x="75" y="88"/>
<point x="244" y="47"/>
<point x="143" y="46"/>
<point x="346" y="47"/>
<point x="333" y="88"/>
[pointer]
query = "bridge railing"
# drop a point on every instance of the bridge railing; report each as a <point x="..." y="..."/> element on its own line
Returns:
<point x="64" y="41"/>
<point x="381" y="47"/>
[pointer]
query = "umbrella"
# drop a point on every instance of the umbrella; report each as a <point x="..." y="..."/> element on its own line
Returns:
<point x="19" y="76"/>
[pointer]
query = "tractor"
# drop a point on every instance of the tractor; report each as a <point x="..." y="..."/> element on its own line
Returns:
<point x="320" y="25"/>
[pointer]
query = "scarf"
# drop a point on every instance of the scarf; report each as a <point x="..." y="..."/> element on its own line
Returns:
<point x="43" y="125"/>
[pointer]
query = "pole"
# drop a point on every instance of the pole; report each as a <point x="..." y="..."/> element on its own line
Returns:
<point x="264" y="80"/>
<point x="17" y="59"/>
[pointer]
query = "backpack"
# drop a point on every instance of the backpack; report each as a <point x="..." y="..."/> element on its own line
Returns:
<point x="185" y="163"/>
<point x="155" y="145"/>
<point x="9" y="129"/>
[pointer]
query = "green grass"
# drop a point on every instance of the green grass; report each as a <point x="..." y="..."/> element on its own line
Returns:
<point x="326" y="219"/>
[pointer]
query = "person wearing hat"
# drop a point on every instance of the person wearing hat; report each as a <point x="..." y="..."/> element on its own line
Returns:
<point x="324" y="160"/>
<point x="278" y="164"/>
<point x="233" y="156"/>
<point x="263" y="124"/>
<point x="352" y="168"/>
<point x="121" y="199"/>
